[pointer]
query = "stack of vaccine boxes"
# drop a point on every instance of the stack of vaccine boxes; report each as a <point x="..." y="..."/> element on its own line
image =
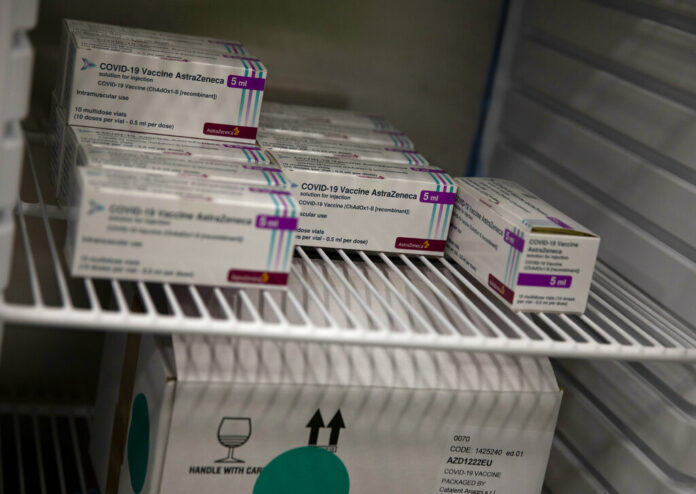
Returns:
<point x="153" y="150"/>
<point x="135" y="103"/>
<point x="359" y="181"/>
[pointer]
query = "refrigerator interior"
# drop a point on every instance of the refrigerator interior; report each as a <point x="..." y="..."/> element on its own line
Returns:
<point x="589" y="104"/>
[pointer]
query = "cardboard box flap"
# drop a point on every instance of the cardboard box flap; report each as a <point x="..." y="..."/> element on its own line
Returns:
<point x="531" y="213"/>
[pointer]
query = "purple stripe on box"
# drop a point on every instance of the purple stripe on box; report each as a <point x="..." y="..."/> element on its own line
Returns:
<point x="232" y="131"/>
<point x="282" y="231"/>
<point x="560" y="223"/>
<point x="285" y="206"/>
<point x="262" y="168"/>
<point x="439" y="219"/>
<point x="513" y="239"/>
<point x="257" y="277"/>
<point x="499" y="287"/>
<point x="246" y="116"/>
<point x="429" y="244"/>
<point x="269" y="191"/>
<point x="544" y="280"/>
<point x="241" y="82"/>
<point x="237" y="146"/>
<point x="395" y="150"/>
<point x="427" y="170"/>
<point x="276" y="222"/>
<point x="435" y="197"/>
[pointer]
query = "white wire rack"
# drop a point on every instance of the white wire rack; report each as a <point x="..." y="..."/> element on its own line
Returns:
<point x="334" y="296"/>
<point x="44" y="450"/>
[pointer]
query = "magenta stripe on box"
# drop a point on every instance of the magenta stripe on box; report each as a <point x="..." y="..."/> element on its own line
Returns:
<point x="437" y="197"/>
<point x="544" y="280"/>
<point x="513" y="239"/>
<point x="499" y="287"/>
<point x="246" y="116"/>
<point x="560" y="223"/>
<point x="230" y="131"/>
<point x="241" y="82"/>
<point x="411" y="243"/>
<point x="284" y="222"/>
<point x="257" y="277"/>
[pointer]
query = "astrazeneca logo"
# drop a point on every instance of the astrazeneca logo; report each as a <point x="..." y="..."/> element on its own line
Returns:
<point x="86" y="64"/>
<point x="95" y="207"/>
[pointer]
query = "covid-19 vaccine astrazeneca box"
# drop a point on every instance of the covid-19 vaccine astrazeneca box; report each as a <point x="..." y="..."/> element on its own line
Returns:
<point x="273" y="141"/>
<point x="129" y="79"/>
<point x="169" y="165"/>
<point x="528" y="253"/>
<point x="228" y="415"/>
<point x="64" y="139"/>
<point x="179" y="229"/>
<point x="165" y="163"/>
<point x="351" y="204"/>
<point x="328" y="116"/>
<point x="318" y="130"/>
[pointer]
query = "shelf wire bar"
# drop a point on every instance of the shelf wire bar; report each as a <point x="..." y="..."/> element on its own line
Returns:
<point x="39" y="453"/>
<point x="18" y="451"/>
<point x="58" y="455"/>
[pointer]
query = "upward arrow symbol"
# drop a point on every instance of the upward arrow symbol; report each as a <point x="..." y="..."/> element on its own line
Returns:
<point x="314" y="424"/>
<point x="336" y="424"/>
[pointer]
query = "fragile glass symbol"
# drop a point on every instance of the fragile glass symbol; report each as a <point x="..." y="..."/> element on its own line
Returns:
<point x="233" y="432"/>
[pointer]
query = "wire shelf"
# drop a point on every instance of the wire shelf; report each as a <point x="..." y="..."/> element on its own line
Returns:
<point x="334" y="296"/>
<point x="44" y="449"/>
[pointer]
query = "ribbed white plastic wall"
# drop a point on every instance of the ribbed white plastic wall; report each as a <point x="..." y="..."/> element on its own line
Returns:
<point x="594" y="109"/>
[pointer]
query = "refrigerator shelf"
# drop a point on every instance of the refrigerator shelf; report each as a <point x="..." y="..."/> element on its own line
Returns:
<point x="333" y="296"/>
<point x="44" y="449"/>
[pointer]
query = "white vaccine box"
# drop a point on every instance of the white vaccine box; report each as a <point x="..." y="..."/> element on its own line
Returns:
<point x="528" y="253"/>
<point x="319" y="130"/>
<point x="159" y="38"/>
<point x="351" y="204"/>
<point x="127" y="79"/>
<point x="364" y="419"/>
<point x="164" y="163"/>
<point x="65" y="140"/>
<point x="154" y="227"/>
<point x="273" y="141"/>
<point x="328" y="116"/>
